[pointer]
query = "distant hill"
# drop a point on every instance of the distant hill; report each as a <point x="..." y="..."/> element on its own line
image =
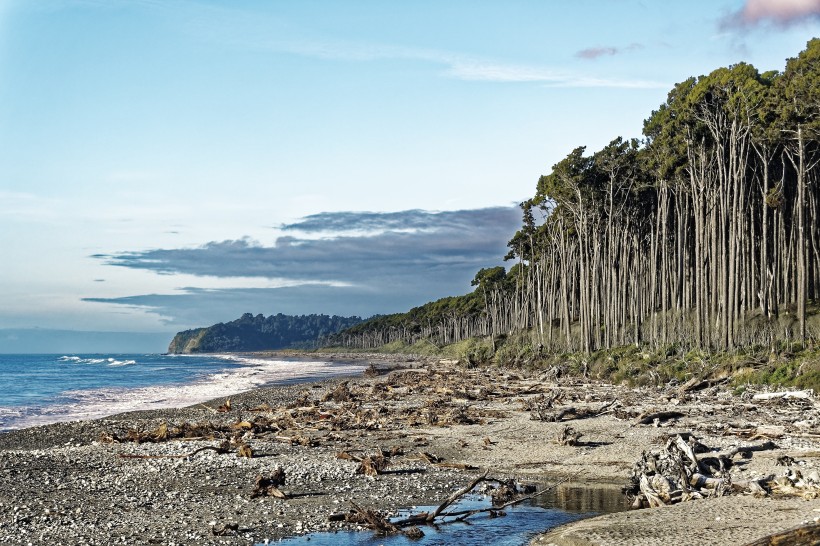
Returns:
<point x="259" y="333"/>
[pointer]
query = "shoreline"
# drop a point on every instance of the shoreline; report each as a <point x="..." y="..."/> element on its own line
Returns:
<point x="57" y="482"/>
<point x="234" y="373"/>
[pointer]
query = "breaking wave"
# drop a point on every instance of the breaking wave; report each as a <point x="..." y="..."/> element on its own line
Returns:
<point x="238" y="375"/>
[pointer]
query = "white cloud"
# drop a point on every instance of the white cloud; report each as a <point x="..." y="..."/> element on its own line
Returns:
<point x="780" y="12"/>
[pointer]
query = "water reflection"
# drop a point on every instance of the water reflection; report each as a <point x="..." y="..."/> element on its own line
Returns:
<point x="578" y="497"/>
<point x="566" y="503"/>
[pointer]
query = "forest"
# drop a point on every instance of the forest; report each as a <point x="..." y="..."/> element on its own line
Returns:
<point x="701" y="235"/>
<point x="257" y="333"/>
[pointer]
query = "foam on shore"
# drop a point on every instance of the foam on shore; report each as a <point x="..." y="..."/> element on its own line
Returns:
<point x="242" y="374"/>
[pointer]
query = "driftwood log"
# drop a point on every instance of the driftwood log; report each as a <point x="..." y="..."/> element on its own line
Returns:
<point x="571" y="412"/>
<point x="685" y="470"/>
<point x="803" y="535"/>
<point x="649" y="418"/>
<point x="785" y="395"/>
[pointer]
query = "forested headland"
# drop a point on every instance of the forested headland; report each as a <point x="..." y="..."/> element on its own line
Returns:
<point x="258" y="333"/>
<point x="703" y="235"/>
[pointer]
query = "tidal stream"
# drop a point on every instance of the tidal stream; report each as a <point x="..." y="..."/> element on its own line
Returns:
<point x="566" y="503"/>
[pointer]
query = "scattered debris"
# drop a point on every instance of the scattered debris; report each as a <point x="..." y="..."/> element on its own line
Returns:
<point x="568" y="436"/>
<point x="269" y="486"/>
<point x="382" y="408"/>
<point x="372" y="465"/>
<point x="341" y="393"/>
<point x="224" y="529"/>
<point x="371" y="371"/>
<point x="685" y="470"/>
<point x="244" y="450"/>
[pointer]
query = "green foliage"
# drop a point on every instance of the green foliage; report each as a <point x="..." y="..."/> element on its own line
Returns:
<point x="517" y="352"/>
<point x="257" y="333"/>
<point x="700" y="217"/>
<point x="471" y="352"/>
<point x="801" y="371"/>
<point x="412" y="323"/>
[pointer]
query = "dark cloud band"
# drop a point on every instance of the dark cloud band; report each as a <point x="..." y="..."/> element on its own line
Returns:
<point x="403" y="259"/>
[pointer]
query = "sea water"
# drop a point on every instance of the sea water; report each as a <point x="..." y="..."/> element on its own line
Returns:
<point x="42" y="389"/>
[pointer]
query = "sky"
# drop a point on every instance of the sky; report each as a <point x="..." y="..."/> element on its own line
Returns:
<point x="172" y="164"/>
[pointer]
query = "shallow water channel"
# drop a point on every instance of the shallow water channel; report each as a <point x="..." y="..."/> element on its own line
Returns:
<point x="564" y="504"/>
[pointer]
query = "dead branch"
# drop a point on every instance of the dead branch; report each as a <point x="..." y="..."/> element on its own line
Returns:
<point x="803" y="535"/>
<point x="649" y="418"/>
<point x="376" y="521"/>
<point x="785" y="395"/>
<point x="455" y="496"/>
<point x="574" y="413"/>
<point x="463" y="514"/>
<point x="697" y="384"/>
<point x="568" y="436"/>
<point x="456" y="466"/>
<point x="765" y="446"/>
<point x="372" y="465"/>
<point x="269" y="486"/>
<point x="219" y="449"/>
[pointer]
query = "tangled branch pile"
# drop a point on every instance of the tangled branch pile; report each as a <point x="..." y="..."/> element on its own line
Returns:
<point x="686" y="470"/>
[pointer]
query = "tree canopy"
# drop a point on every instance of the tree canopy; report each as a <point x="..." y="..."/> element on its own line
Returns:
<point x="704" y="233"/>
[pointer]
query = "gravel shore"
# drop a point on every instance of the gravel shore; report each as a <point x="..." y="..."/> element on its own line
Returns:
<point x="438" y="426"/>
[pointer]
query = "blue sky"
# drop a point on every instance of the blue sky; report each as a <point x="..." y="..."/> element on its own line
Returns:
<point x="169" y="164"/>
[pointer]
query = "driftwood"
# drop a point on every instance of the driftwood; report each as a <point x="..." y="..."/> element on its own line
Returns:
<point x="697" y="384"/>
<point x="428" y="458"/>
<point x="409" y="525"/>
<point x="568" y="436"/>
<point x="572" y="412"/>
<point x="373" y="465"/>
<point x="455" y="497"/>
<point x="244" y="450"/>
<point x="456" y="466"/>
<point x="649" y="418"/>
<point x="542" y="405"/>
<point x="269" y="486"/>
<point x="785" y="395"/>
<point x="224" y="529"/>
<point x="803" y="535"/>
<point x="374" y="520"/>
<point x="765" y="446"/>
<point x="686" y="470"/>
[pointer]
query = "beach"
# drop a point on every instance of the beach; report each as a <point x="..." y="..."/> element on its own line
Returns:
<point x="176" y="476"/>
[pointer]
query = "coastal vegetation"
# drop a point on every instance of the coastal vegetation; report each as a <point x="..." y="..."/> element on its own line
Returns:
<point x="256" y="333"/>
<point x="697" y="245"/>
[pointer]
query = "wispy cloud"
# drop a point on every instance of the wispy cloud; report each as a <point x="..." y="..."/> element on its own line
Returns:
<point x="372" y="262"/>
<point x="493" y="72"/>
<point x="593" y="53"/>
<point x="783" y="13"/>
<point x="237" y="28"/>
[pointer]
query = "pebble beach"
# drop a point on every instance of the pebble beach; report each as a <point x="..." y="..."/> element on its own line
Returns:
<point x="439" y="426"/>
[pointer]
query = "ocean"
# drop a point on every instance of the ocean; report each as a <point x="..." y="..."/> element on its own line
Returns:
<point x="42" y="389"/>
